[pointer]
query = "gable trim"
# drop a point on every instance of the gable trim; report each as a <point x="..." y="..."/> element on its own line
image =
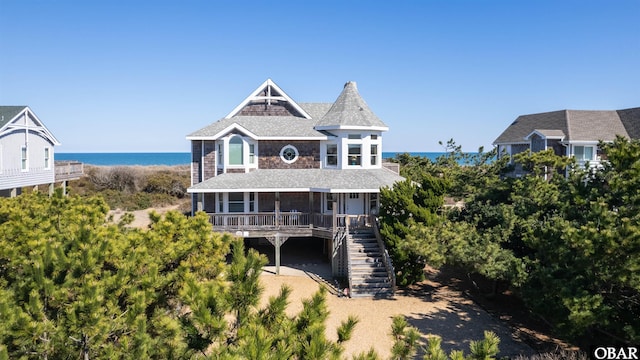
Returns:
<point x="254" y="96"/>
<point x="40" y="129"/>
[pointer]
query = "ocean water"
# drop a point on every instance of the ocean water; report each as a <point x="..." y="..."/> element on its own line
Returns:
<point x="172" y="158"/>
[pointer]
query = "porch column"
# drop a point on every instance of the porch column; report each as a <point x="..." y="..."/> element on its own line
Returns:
<point x="277" y="240"/>
<point x="310" y="210"/>
<point x="200" y="202"/>
<point x="277" y="245"/>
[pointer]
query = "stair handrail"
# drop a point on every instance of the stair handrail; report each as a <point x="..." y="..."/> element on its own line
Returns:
<point x="388" y="264"/>
<point x="347" y="246"/>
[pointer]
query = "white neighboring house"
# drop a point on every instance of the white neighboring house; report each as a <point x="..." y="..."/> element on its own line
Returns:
<point x="26" y="151"/>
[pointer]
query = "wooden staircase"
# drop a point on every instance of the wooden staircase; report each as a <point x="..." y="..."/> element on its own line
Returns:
<point x="370" y="275"/>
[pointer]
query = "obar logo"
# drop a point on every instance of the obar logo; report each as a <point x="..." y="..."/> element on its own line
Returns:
<point x="615" y="352"/>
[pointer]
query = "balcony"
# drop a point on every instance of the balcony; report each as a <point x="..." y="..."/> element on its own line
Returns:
<point x="293" y="222"/>
<point x="68" y="170"/>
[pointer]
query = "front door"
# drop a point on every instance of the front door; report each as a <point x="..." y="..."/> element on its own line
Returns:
<point x="355" y="204"/>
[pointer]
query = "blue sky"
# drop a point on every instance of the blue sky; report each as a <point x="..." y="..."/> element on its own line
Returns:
<point x="121" y="76"/>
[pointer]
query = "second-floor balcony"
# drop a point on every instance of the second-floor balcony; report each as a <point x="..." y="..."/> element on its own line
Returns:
<point x="291" y="221"/>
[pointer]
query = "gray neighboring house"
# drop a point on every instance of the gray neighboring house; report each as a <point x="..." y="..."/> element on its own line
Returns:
<point x="569" y="132"/>
<point x="276" y="169"/>
<point x="27" y="153"/>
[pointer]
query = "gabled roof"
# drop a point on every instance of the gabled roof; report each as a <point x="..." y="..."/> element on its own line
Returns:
<point x="7" y="113"/>
<point x="548" y="134"/>
<point x="575" y="125"/>
<point x="269" y="94"/>
<point x="10" y="114"/>
<point x="350" y="111"/>
<point x="631" y="120"/>
<point x="269" y="113"/>
<point x="296" y="180"/>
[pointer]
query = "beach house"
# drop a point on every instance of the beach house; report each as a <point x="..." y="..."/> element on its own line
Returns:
<point x="573" y="133"/>
<point x="277" y="169"/>
<point x="27" y="153"/>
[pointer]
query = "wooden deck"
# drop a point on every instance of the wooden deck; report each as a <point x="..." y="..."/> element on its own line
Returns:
<point x="68" y="170"/>
<point x="289" y="223"/>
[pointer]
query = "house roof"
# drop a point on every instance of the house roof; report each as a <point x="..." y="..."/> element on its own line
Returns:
<point x="262" y="127"/>
<point x="269" y="113"/>
<point x="7" y="113"/>
<point x="631" y="120"/>
<point x="300" y="180"/>
<point x="575" y="125"/>
<point x="289" y="127"/>
<point x="350" y="111"/>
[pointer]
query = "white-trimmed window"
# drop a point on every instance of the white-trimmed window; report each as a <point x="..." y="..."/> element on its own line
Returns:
<point x="252" y="153"/>
<point x="583" y="153"/>
<point x="236" y="154"/>
<point x="332" y="155"/>
<point x="289" y="154"/>
<point x="355" y="154"/>
<point x="329" y="200"/>
<point x="374" y="154"/>
<point x="236" y="202"/>
<point x="47" y="158"/>
<point x="24" y="159"/>
<point x="220" y="155"/>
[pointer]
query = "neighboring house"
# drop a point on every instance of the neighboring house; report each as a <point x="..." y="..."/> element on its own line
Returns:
<point x="569" y="132"/>
<point x="27" y="153"/>
<point x="276" y="169"/>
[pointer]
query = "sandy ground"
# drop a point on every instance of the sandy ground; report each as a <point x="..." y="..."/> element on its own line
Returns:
<point x="141" y="217"/>
<point x="433" y="308"/>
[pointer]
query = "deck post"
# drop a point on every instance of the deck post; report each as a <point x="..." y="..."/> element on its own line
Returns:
<point x="310" y="210"/>
<point x="277" y="246"/>
<point x="277" y="220"/>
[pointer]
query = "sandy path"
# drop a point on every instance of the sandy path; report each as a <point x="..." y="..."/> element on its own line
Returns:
<point x="440" y="311"/>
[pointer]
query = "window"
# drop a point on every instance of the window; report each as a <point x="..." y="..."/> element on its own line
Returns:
<point x="583" y="153"/>
<point x="374" y="154"/>
<point x="289" y="154"/>
<point x="235" y="151"/>
<point x="355" y="154"/>
<point x="354" y="195"/>
<point x="220" y="203"/>
<point x="252" y="202"/>
<point x="332" y="155"/>
<point x="374" y="137"/>
<point x="236" y="202"/>
<point x="24" y="160"/>
<point x="354" y="136"/>
<point x="373" y="202"/>
<point x="47" y="162"/>
<point x="252" y="154"/>
<point x="220" y="157"/>
<point x="330" y="198"/>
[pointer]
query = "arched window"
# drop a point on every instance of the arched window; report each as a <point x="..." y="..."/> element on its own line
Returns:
<point x="235" y="151"/>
